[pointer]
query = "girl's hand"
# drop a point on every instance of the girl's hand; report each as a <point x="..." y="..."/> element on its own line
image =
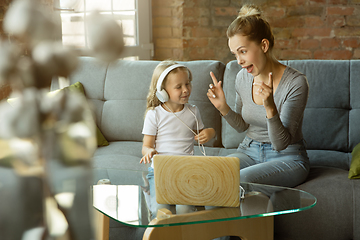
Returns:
<point x="267" y="95"/>
<point x="147" y="157"/>
<point x="148" y="150"/>
<point x="205" y="135"/>
<point x="216" y="96"/>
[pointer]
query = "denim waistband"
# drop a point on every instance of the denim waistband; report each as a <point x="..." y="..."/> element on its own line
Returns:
<point x="248" y="141"/>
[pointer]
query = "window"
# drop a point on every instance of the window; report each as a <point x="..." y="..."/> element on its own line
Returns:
<point x="133" y="15"/>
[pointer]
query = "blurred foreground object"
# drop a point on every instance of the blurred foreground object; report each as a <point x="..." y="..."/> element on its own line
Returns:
<point x="105" y="37"/>
<point x="46" y="136"/>
<point x="30" y="21"/>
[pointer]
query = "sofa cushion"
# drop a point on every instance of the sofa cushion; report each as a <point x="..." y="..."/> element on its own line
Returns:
<point x="91" y="73"/>
<point x="78" y="87"/>
<point x="329" y="102"/>
<point x="329" y="158"/>
<point x="101" y="140"/>
<point x="354" y="171"/>
<point x="332" y="189"/>
<point x="119" y="155"/>
<point x="121" y="148"/>
<point x="230" y="137"/>
<point x="354" y="115"/>
<point x="201" y="80"/>
<point x="21" y="203"/>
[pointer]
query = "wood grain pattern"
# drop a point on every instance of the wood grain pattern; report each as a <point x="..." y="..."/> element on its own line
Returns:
<point x="197" y="180"/>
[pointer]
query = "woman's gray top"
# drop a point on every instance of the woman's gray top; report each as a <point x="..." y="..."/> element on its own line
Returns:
<point x="290" y="99"/>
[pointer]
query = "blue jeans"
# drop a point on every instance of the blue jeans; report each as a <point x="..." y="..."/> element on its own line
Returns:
<point x="260" y="163"/>
<point x="154" y="206"/>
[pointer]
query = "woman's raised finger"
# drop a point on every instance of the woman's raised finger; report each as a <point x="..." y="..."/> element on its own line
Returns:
<point x="215" y="81"/>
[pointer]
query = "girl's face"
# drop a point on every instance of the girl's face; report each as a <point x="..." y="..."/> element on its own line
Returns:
<point x="178" y="87"/>
<point x="249" y="54"/>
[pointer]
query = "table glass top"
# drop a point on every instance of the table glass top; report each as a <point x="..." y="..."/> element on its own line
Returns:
<point x="126" y="202"/>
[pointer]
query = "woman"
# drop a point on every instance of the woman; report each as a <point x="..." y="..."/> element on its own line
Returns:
<point x="270" y="103"/>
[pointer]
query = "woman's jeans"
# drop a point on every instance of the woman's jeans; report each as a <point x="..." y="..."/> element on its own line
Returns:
<point x="154" y="206"/>
<point x="260" y="163"/>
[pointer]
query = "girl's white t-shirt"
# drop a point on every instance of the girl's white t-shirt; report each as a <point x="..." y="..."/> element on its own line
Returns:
<point x="172" y="136"/>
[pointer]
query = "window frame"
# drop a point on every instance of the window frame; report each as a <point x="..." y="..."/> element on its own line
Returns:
<point x="143" y="48"/>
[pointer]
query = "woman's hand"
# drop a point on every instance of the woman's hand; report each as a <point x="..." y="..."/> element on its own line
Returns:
<point x="266" y="92"/>
<point x="205" y="135"/>
<point x="216" y="96"/>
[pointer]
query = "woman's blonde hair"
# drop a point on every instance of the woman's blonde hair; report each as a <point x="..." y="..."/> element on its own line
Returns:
<point x="251" y="23"/>
<point x="152" y="100"/>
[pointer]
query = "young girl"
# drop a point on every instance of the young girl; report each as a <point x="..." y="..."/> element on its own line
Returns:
<point x="171" y="124"/>
<point x="270" y="104"/>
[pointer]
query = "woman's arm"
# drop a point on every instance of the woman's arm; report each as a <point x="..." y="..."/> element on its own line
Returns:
<point x="284" y="126"/>
<point x="148" y="149"/>
<point x="217" y="98"/>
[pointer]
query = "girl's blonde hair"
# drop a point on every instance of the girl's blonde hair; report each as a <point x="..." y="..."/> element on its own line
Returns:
<point x="152" y="100"/>
<point x="251" y="23"/>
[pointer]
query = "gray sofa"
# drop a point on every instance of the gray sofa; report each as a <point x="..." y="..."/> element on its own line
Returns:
<point x="331" y="129"/>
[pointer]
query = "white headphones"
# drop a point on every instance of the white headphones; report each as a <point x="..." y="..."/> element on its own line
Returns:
<point x="161" y="94"/>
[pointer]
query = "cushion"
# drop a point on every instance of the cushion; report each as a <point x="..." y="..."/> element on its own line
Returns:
<point x="354" y="171"/>
<point x="101" y="140"/>
<point x="78" y="87"/>
<point x="230" y="137"/>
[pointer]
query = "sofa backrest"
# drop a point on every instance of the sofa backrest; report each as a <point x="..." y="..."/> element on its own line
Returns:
<point x="118" y="92"/>
<point x="230" y="137"/>
<point x="332" y="115"/>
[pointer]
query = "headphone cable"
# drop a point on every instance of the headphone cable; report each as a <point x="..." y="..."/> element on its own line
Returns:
<point x="197" y="127"/>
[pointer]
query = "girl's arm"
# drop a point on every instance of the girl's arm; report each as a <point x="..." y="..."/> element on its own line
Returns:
<point x="205" y="135"/>
<point x="148" y="150"/>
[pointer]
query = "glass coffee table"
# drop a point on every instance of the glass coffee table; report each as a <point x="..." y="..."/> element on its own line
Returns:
<point x="125" y="201"/>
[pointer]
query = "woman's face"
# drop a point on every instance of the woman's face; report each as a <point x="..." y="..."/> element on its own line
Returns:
<point x="249" y="54"/>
